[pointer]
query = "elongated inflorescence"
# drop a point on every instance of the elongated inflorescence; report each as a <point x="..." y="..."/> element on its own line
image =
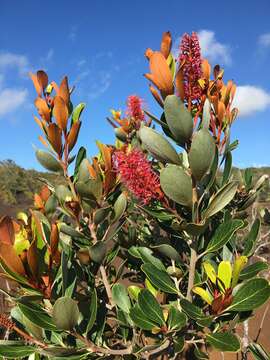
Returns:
<point x="137" y="175"/>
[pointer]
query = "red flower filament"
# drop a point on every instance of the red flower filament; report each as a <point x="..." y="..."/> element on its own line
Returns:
<point x="137" y="175"/>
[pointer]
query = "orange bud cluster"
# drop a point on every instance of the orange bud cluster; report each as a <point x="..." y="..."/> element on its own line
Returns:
<point x="54" y="114"/>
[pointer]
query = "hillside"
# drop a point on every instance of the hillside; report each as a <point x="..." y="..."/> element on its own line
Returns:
<point x="18" y="185"/>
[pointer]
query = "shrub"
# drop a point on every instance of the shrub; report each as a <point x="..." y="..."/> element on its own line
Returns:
<point x="137" y="254"/>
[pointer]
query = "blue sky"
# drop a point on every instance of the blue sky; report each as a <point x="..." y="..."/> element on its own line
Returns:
<point x="100" y="45"/>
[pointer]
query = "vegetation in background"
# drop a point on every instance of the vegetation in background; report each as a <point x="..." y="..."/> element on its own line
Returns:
<point x="146" y="251"/>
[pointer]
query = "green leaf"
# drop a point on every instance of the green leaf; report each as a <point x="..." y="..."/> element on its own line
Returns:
<point x="258" y="352"/>
<point x="201" y="154"/>
<point x="193" y="311"/>
<point x="150" y="307"/>
<point x="176" y="184"/>
<point x="178" y="118"/>
<point x="142" y="252"/>
<point x="119" y="207"/>
<point x="77" y="112"/>
<point x="79" y="158"/>
<point x="83" y="172"/>
<point x="48" y="161"/>
<point x="250" y="295"/>
<point x="223" y="234"/>
<point x="120" y="297"/>
<point x="15" y="349"/>
<point x="206" y="114"/>
<point x="227" y="168"/>
<point x="65" y="313"/>
<point x="226" y="342"/>
<point x="251" y="238"/>
<point x="139" y="318"/>
<point x="252" y="270"/>
<point x="63" y="193"/>
<point x="98" y="252"/>
<point x="179" y="343"/>
<point x="176" y="319"/>
<point x="168" y="250"/>
<point x="37" y="316"/>
<point x="158" y="146"/>
<point x="93" y="311"/>
<point x="160" y="279"/>
<point x="221" y="199"/>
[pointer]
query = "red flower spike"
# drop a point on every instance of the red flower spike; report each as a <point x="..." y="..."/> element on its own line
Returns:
<point x="191" y="61"/>
<point x="137" y="175"/>
<point x="134" y="104"/>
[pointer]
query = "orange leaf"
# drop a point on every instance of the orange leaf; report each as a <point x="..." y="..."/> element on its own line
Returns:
<point x="38" y="202"/>
<point x="148" y="53"/>
<point x="206" y="69"/>
<point x="43" y="141"/>
<point x="32" y="259"/>
<point x="63" y="90"/>
<point x="7" y="235"/>
<point x="60" y="112"/>
<point x="45" y="193"/>
<point x="179" y="84"/>
<point x="43" y="109"/>
<point x="55" y="137"/>
<point x="106" y="155"/>
<point x="92" y="171"/>
<point x="42" y="78"/>
<point x="156" y="96"/>
<point x="36" y="83"/>
<point x="221" y="111"/>
<point x="54" y="240"/>
<point x="11" y="259"/>
<point x="166" y="44"/>
<point x="40" y="124"/>
<point x="161" y="74"/>
<point x="73" y="135"/>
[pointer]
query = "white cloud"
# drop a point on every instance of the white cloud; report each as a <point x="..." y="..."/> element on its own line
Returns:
<point x="264" y="40"/>
<point x="101" y="85"/>
<point x="213" y="49"/>
<point x="251" y="99"/>
<point x="11" y="60"/>
<point x="11" y="99"/>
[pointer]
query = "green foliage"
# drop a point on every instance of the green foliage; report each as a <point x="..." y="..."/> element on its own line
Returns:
<point x="142" y="250"/>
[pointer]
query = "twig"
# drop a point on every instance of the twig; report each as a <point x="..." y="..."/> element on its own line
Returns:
<point x="192" y="266"/>
<point x="106" y="284"/>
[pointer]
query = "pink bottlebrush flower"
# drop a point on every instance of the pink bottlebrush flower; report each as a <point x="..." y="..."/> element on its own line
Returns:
<point x="191" y="61"/>
<point x="134" y="104"/>
<point x="137" y="175"/>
